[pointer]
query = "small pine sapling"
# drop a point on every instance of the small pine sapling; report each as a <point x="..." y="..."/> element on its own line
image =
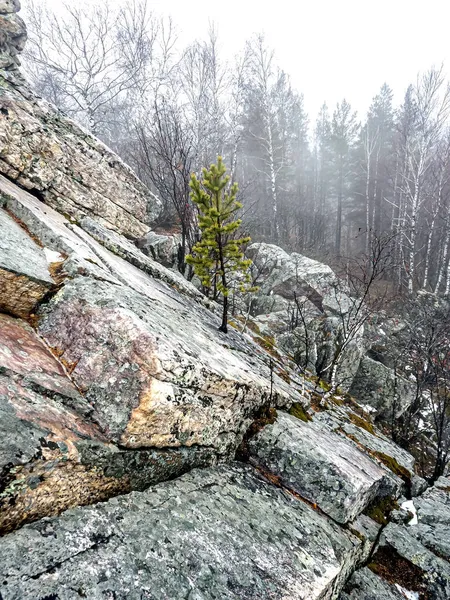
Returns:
<point x="218" y="256"/>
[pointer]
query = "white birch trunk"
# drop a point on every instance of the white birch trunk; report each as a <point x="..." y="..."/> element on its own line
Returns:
<point x="443" y="262"/>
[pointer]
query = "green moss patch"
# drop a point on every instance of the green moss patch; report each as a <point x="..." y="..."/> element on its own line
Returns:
<point x="363" y="423"/>
<point x="380" y="509"/>
<point x="392" y="464"/>
<point x="299" y="412"/>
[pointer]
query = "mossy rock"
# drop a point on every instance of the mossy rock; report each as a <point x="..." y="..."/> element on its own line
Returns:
<point x="381" y="508"/>
<point x="362" y="423"/>
<point x="299" y="412"/>
<point x="391" y="463"/>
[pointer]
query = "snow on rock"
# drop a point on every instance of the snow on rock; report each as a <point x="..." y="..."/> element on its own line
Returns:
<point x="409" y="506"/>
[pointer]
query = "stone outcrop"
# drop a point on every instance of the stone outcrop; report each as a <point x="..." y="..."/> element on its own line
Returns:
<point x="322" y="466"/>
<point x="219" y="533"/>
<point x="382" y="388"/>
<point x="122" y="382"/>
<point x="54" y="158"/>
<point x="162" y="247"/>
<point x="13" y="34"/>
<point x="413" y="558"/>
<point x="24" y="274"/>
<point x="303" y="303"/>
<point x="146" y="388"/>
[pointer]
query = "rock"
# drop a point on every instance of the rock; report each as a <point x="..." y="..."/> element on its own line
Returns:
<point x="156" y="373"/>
<point x="365" y="585"/>
<point x="13" y="34"/>
<point x="433" y="513"/>
<point x="50" y="155"/>
<point x="400" y="549"/>
<point x="298" y="293"/>
<point x="9" y="6"/>
<point x="418" y="485"/>
<point x="52" y="455"/>
<point x="380" y="387"/>
<point x="159" y="388"/>
<point x="357" y="427"/>
<point x="161" y="247"/>
<point x="367" y="530"/>
<point x="321" y="466"/>
<point x="410" y="558"/>
<point x="284" y="274"/>
<point x="120" y="246"/>
<point x="24" y="276"/>
<point x="216" y="533"/>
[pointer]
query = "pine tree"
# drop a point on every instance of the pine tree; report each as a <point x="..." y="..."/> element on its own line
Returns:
<point x="218" y="255"/>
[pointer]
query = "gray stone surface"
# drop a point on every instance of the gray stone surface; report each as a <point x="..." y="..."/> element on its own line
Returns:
<point x="433" y="513"/>
<point x="380" y="387"/>
<point x="321" y="466"/>
<point x="436" y="570"/>
<point x="218" y="533"/>
<point x="9" y="6"/>
<point x="154" y="366"/>
<point x="52" y="455"/>
<point x="343" y="420"/>
<point x="120" y="246"/>
<point x="289" y="282"/>
<point x="365" y="585"/>
<point x="153" y="372"/>
<point x="161" y="247"/>
<point x="24" y="275"/>
<point x="414" y="556"/>
<point x="13" y="34"/>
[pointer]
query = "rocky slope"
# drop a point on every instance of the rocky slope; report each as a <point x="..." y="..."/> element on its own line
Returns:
<point x="307" y="308"/>
<point x="143" y="454"/>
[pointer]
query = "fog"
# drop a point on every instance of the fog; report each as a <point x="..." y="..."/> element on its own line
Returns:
<point x="327" y="182"/>
<point x="332" y="49"/>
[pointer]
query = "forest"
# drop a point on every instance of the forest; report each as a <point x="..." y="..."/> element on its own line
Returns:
<point x="323" y="185"/>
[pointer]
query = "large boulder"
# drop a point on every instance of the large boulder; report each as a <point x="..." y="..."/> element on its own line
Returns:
<point x="283" y="274"/>
<point x="52" y="453"/>
<point x="162" y="247"/>
<point x="307" y="308"/>
<point x="411" y="560"/>
<point x="127" y="381"/>
<point x="321" y="466"/>
<point x="382" y="388"/>
<point x="217" y="533"/>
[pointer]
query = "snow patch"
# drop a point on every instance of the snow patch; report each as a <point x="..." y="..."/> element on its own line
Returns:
<point x="409" y="505"/>
<point x="52" y="256"/>
<point x="367" y="408"/>
<point x="406" y="593"/>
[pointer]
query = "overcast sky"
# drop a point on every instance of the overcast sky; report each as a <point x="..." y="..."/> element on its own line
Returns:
<point x="331" y="48"/>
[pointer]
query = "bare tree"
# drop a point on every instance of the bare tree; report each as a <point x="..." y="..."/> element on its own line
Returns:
<point x="88" y="59"/>
<point x="360" y="296"/>
<point x="427" y="346"/>
<point x="165" y="150"/>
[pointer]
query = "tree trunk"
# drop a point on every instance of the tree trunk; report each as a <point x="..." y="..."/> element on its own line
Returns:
<point x="443" y="262"/>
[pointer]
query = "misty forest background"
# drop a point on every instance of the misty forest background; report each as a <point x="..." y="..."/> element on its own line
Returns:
<point x="324" y="185"/>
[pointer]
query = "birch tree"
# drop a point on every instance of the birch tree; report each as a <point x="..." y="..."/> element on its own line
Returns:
<point x="430" y="108"/>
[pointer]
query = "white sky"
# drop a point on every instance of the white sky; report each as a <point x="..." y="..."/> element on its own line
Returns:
<point x="331" y="48"/>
